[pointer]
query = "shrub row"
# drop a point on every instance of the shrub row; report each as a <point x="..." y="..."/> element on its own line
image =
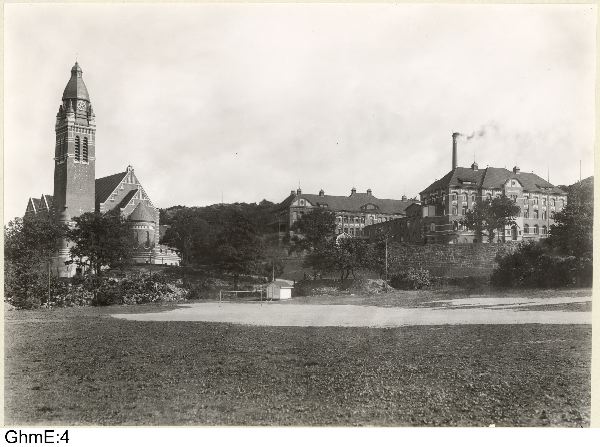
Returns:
<point x="532" y="266"/>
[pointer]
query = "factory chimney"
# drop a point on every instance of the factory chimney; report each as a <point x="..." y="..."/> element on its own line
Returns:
<point x="455" y="136"/>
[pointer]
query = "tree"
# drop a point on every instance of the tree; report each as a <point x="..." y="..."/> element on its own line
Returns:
<point x="190" y="234"/>
<point x="238" y="249"/>
<point x="315" y="229"/>
<point x="350" y="255"/>
<point x="491" y="215"/>
<point x="29" y="247"/>
<point x="100" y="240"/>
<point x="572" y="232"/>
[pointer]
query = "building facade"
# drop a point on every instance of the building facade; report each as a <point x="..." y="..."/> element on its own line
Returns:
<point x="445" y="202"/>
<point x="352" y="213"/>
<point x="77" y="191"/>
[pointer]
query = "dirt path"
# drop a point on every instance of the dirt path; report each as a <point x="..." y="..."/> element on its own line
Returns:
<point x="450" y="312"/>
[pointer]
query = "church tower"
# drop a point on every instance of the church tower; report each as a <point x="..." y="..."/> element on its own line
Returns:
<point x="75" y="153"/>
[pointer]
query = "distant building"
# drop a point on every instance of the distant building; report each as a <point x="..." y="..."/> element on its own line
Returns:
<point x="445" y="202"/>
<point x="76" y="191"/>
<point x="405" y="229"/>
<point x="352" y="212"/>
<point x="280" y="289"/>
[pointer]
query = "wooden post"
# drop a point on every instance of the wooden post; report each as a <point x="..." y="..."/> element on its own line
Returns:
<point x="48" y="303"/>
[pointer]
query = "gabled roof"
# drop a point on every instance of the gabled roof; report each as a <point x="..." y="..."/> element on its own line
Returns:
<point x="143" y="213"/>
<point x="286" y="203"/>
<point x="355" y="202"/>
<point x="36" y="204"/>
<point x="106" y="185"/>
<point x="490" y="178"/>
<point x="531" y="182"/>
<point x="49" y="201"/>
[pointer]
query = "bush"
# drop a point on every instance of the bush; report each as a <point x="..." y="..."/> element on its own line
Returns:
<point x="28" y="288"/>
<point x="412" y="279"/>
<point x="132" y="289"/>
<point x="531" y="266"/>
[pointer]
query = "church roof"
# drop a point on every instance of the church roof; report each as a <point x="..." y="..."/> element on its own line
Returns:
<point x="106" y="185"/>
<point x="143" y="213"/>
<point x="491" y="178"/>
<point x="127" y="198"/>
<point x="76" y="88"/>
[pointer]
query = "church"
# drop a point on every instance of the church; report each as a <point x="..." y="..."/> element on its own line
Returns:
<point x="77" y="191"/>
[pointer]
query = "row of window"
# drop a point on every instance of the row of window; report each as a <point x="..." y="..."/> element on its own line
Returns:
<point x="370" y="220"/>
<point x="536" y="230"/>
<point x="526" y="213"/>
<point x="488" y="196"/>
<point x="350" y="231"/>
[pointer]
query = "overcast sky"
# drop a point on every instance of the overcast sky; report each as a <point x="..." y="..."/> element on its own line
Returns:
<point x="245" y="101"/>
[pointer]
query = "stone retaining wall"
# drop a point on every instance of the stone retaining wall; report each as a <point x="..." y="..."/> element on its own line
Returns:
<point x="451" y="261"/>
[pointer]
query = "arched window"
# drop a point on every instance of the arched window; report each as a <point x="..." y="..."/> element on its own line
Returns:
<point x="536" y="229"/>
<point x="454" y="211"/>
<point x="463" y="197"/>
<point x="85" y="149"/>
<point x="544" y="215"/>
<point x="526" y="214"/>
<point x="536" y="214"/>
<point x="525" y="229"/>
<point x="552" y="214"/>
<point x="77" y="149"/>
<point x="432" y="227"/>
<point x="488" y="196"/>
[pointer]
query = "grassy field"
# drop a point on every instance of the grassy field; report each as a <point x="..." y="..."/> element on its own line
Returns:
<point x="80" y="366"/>
<point x="424" y="298"/>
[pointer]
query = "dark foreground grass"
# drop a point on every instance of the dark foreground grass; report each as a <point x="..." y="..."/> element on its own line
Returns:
<point x="83" y="367"/>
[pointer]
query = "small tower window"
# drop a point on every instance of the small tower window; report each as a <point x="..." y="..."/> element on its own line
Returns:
<point x="77" y="149"/>
<point x="85" y="149"/>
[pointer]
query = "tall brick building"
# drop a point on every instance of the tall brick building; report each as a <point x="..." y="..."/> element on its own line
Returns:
<point x="77" y="191"/>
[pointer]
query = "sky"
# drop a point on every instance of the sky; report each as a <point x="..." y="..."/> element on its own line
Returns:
<point x="240" y="103"/>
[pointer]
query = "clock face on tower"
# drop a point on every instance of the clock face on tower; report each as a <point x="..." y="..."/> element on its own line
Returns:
<point x="80" y="105"/>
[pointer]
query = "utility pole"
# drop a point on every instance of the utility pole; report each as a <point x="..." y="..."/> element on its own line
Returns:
<point x="387" y="237"/>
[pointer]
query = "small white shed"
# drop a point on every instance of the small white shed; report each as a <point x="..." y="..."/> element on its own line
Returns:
<point x="280" y="289"/>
